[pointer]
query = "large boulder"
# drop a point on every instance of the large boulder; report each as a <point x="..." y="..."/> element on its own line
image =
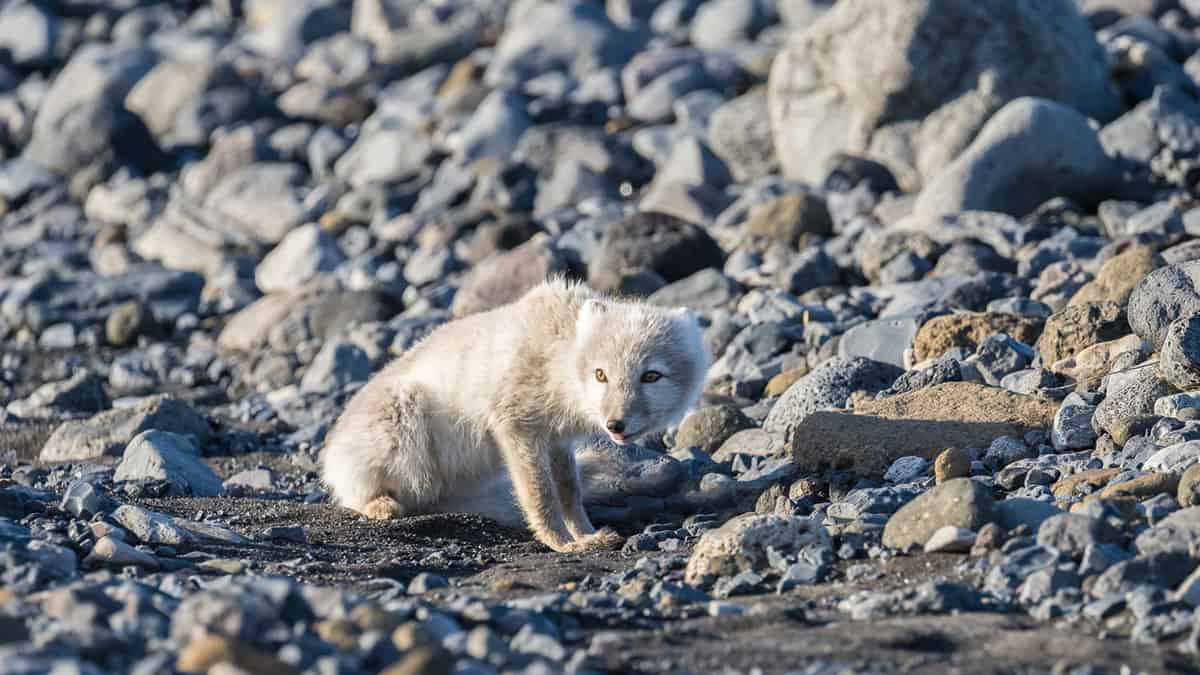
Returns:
<point x="1030" y="151"/>
<point x="911" y="82"/>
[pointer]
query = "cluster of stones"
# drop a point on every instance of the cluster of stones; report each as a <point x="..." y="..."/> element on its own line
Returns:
<point x="943" y="252"/>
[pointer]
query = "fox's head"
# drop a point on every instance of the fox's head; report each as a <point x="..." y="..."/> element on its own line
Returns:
<point x="640" y="367"/>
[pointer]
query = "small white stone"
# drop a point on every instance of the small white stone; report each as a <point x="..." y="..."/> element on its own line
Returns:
<point x="116" y="552"/>
<point x="721" y="608"/>
<point x="151" y="527"/>
<point x="950" y="539"/>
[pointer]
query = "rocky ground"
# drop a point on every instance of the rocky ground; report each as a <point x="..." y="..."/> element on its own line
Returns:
<point x="944" y="251"/>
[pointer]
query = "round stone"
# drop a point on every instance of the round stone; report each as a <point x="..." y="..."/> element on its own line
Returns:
<point x="952" y="463"/>
<point x="126" y="323"/>
<point x="1188" y="493"/>
<point x="1179" y="362"/>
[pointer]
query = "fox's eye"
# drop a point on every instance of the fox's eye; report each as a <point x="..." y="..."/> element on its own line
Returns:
<point x="600" y="376"/>
<point x="651" y="376"/>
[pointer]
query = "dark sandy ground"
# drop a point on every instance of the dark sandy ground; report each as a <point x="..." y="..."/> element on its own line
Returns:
<point x="776" y="633"/>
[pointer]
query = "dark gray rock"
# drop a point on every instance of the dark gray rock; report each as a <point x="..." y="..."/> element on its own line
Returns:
<point x="83" y="392"/>
<point x="1164" y="569"/>
<point x="670" y="247"/>
<point x="612" y="474"/>
<point x="162" y="455"/>
<point x="1074" y="533"/>
<point x="338" y="364"/>
<point x="1017" y="511"/>
<point x="812" y="268"/>
<point x="494" y="130"/>
<point x="705" y="290"/>
<point x="884" y="340"/>
<point x="829" y="386"/>
<point x="1178" y="532"/>
<point x="98" y="135"/>
<point x="1073" y="428"/>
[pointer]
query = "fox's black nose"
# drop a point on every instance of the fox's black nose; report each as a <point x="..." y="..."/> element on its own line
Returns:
<point x="615" y="426"/>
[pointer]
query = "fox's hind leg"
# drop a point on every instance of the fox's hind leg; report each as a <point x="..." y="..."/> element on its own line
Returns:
<point x="377" y="458"/>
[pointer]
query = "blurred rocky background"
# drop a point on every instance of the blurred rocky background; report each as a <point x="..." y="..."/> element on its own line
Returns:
<point x="944" y="252"/>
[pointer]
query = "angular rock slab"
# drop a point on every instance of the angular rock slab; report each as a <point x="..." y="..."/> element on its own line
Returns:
<point x="921" y="423"/>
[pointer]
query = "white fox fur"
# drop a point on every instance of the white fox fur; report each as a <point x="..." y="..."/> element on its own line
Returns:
<point x="484" y="411"/>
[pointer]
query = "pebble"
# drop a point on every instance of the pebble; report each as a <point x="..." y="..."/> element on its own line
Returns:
<point x="112" y="551"/>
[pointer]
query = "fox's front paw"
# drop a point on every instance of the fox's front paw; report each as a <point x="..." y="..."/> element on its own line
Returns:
<point x="604" y="539"/>
<point x="381" y="508"/>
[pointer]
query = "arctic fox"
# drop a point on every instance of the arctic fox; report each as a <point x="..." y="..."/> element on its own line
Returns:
<point x="490" y="404"/>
